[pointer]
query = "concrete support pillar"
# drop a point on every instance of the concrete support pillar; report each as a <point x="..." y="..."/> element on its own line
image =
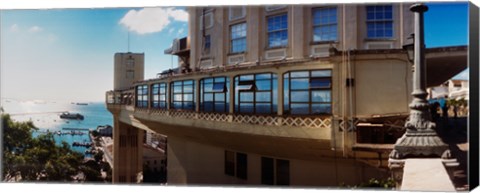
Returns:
<point x="127" y="153"/>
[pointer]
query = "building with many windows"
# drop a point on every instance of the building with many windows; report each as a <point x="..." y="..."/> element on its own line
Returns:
<point x="301" y="95"/>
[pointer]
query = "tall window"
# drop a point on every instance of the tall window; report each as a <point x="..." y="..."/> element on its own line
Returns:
<point x="207" y="44"/>
<point x="159" y="96"/>
<point x="256" y="93"/>
<point x="130" y="62"/>
<point x="238" y="38"/>
<point x="325" y="24"/>
<point x="236" y="164"/>
<point x="307" y="92"/>
<point x="277" y="27"/>
<point x="142" y="96"/>
<point x="379" y="21"/>
<point x="214" y="95"/>
<point x="183" y="94"/>
<point x="275" y="171"/>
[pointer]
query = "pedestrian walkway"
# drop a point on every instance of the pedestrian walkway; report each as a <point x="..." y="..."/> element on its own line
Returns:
<point x="426" y="175"/>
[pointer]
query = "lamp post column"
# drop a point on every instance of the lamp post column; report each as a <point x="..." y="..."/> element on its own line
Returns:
<point x="420" y="138"/>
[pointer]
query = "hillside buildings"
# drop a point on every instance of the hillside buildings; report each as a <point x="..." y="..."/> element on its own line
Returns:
<point x="276" y="95"/>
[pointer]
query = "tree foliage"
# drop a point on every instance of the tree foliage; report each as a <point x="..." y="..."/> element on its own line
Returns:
<point x="36" y="158"/>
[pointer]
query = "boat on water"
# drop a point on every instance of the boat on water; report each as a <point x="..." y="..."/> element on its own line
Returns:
<point x="82" y="103"/>
<point x="67" y="115"/>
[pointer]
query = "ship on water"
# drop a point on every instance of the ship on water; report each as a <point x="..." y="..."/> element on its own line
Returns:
<point x="67" y="115"/>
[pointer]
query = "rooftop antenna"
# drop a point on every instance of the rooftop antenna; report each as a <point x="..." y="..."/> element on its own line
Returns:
<point x="128" y="41"/>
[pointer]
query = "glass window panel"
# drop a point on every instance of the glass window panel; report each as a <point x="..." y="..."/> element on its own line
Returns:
<point x="262" y="97"/>
<point x="267" y="171"/>
<point x="321" y="73"/>
<point x="177" y="105"/>
<point x="283" y="172"/>
<point x="246" y="97"/>
<point x="219" y="87"/>
<point x="297" y="84"/>
<point x="246" y="77"/>
<point x="208" y="80"/>
<point x="162" y="97"/>
<point x="219" y="79"/>
<point x="321" y="109"/>
<point x="188" y="82"/>
<point x="208" y="97"/>
<point x="320" y="83"/>
<point x="246" y="108"/>
<point x="263" y="76"/>
<point x="177" y="97"/>
<point x="299" y="74"/>
<point x="187" y="89"/>
<point x="299" y="109"/>
<point x="321" y="96"/>
<point x="263" y="108"/>
<point x="263" y="84"/>
<point x="220" y="97"/>
<point x="300" y="96"/>
<point x="220" y="107"/>
<point x="188" y="97"/>
<point x="188" y="105"/>
<point x="177" y="89"/>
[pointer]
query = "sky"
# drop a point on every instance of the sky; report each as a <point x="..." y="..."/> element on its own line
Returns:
<point x="67" y="54"/>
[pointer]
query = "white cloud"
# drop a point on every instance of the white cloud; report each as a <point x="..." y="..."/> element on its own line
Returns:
<point x="151" y="20"/>
<point x="14" y="28"/>
<point x="35" y="29"/>
<point x="170" y="31"/>
<point x="180" y="31"/>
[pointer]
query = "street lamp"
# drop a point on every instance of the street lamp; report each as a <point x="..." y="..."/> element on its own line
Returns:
<point x="420" y="138"/>
<point x="409" y="47"/>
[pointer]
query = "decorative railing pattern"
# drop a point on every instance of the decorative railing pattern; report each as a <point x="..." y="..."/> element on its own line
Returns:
<point x="268" y="120"/>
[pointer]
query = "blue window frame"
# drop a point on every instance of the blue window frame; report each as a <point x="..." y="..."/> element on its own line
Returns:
<point x="325" y="24"/>
<point x="307" y="92"/>
<point x="256" y="93"/>
<point x="214" y="95"/>
<point x="142" y="96"/>
<point x="238" y="38"/>
<point x="380" y="21"/>
<point x="182" y="95"/>
<point x="159" y="96"/>
<point x="277" y="27"/>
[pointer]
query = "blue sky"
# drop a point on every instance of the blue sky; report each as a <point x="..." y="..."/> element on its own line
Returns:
<point x="71" y="50"/>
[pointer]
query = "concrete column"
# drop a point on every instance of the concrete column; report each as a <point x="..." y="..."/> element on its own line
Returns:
<point x="280" y="94"/>
<point x="127" y="153"/>
<point x="231" y="104"/>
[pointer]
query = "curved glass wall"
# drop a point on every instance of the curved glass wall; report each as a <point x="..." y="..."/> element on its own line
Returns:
<point x="256" y="93"/>
<point x="214" y="94"/>
<point x="308" y="92"/>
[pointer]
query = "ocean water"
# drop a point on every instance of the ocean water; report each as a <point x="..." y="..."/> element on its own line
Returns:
<point x="45" y="115"/>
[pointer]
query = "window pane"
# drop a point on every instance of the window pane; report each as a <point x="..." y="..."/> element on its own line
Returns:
<point x="220" y="107"/>
<point x="246" y="97"/>
<point x="263" y="108"/>
<point x="320" y="83"/>
<point x="300" y="96"/>
<point x="219" y="87"/>
<point x="299" y="74"/>
<point x="188" y="97"/>
<point x="267" y="171"/>
<point x="321" y="108"/>
<point x="321" y="96"/>
<point x="229" y="163"/>
<point x="246" y="107"/>
<point x="283" y="172"/>
<point x="299" y="109"/>
<point x="208" y="106"/>
<point x="242" y="166"/>
<point x="220" y="97"/>
<point x="321" y="73"/>
<point x="263" y="84"/>
<point x="262" y="97"/>
<point x="297" y="84"/>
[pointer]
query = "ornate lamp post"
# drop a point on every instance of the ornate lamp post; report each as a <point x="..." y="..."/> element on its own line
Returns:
<point x="420" y="139"/>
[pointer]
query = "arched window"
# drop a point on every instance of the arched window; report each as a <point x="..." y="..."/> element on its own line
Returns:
<point x="308" y="92"/>
<point x="214" y="94"/>
<point x="256" y="93"/>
